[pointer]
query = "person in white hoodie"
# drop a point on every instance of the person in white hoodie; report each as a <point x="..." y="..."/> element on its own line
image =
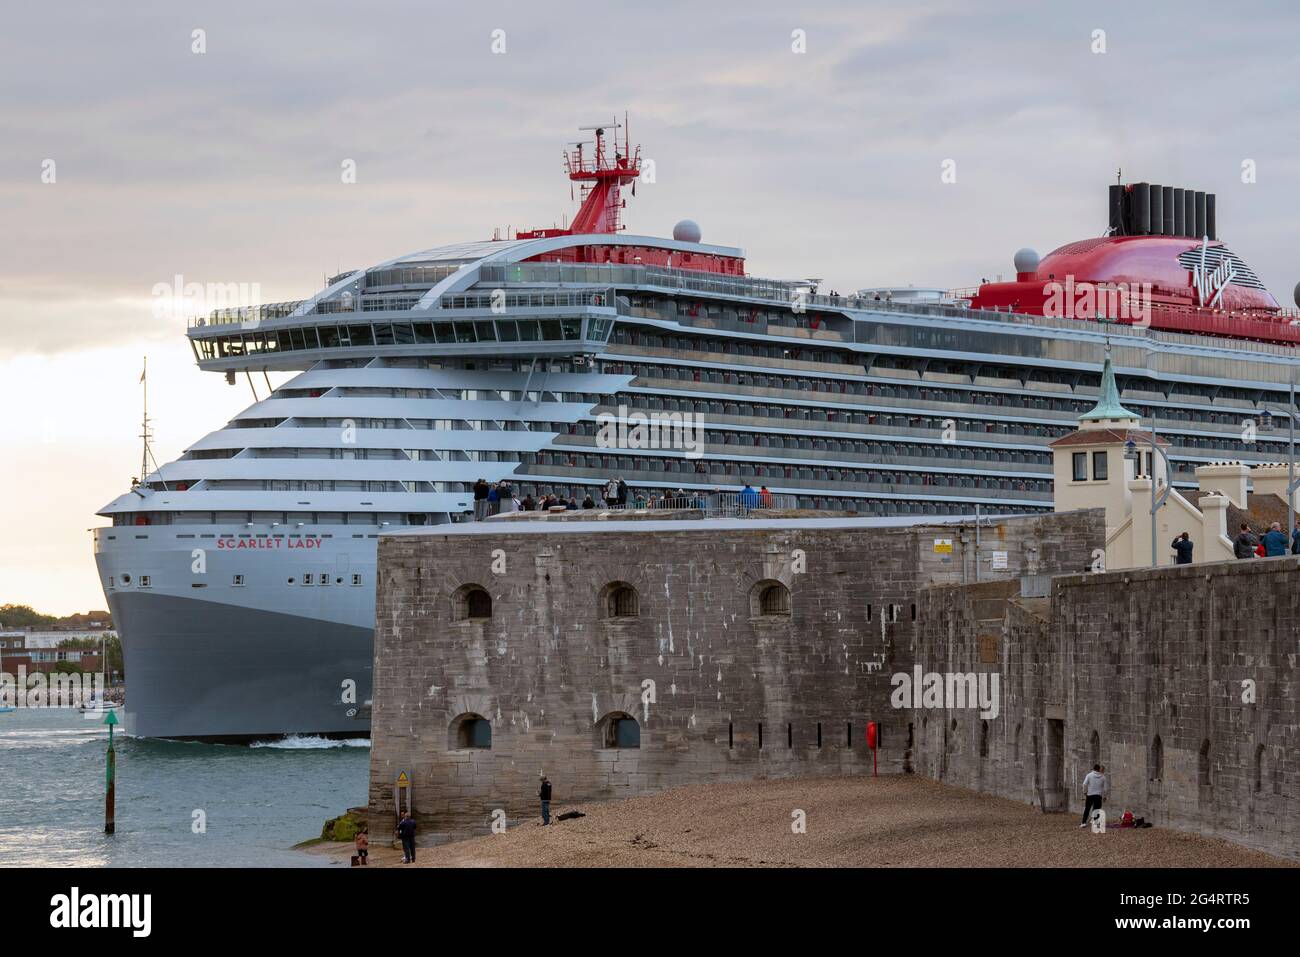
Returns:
<point x="1095" y="787"/>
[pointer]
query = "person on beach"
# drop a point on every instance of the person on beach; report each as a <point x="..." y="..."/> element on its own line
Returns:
<point x="1094" y="791"/>
<point x="544" y="792"/>
<point x="406" y="831"/>
<point x="363" y="846"/>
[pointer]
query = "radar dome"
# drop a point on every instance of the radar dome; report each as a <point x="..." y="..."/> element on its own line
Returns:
<point x="1026" y="260"/>
<point x="687" y="231"/>
<point x="1296" y="294"/>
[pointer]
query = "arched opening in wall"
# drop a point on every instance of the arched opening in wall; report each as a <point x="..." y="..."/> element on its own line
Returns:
<point x="1203" y="764"/>
<point x="1259" y="768"/>
<point x="1094" y="749"/>
<point x="619" y="600"/>
<point x="1156" y="763"/>
<point x="618" y="729"/>
<point x="468" y="731"/>
<point x="769" y="599"/>
<point x="471" y="602"/>
<point x="984" y="739"/>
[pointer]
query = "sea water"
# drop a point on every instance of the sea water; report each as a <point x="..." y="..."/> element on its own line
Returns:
<point x="178" y="804"/>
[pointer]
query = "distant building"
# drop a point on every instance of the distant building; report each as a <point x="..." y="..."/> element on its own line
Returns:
<point x="1110" y="462"/>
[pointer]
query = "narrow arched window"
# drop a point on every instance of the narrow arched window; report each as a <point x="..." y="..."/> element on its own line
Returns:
<point x="469" y="731"/>
<point x="478" y="604"/>
<point x="618" y="730"/>
<point x="770" y="599"/>
<point x="620" y="600"/>
<point x="471" y="602"/>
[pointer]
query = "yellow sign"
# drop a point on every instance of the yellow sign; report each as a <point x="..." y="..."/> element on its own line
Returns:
<point x="403" y="781"/>
<point x="943" y="546"/>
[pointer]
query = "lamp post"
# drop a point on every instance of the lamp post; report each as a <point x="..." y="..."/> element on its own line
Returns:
<point x="1157" y="500"/>
<point x="1292" y="483"/>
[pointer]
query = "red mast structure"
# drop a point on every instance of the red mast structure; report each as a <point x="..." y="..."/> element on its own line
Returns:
<point x="601" y="178"/>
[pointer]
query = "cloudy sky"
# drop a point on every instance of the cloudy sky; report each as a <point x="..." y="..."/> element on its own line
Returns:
<point x="225" y="167"/>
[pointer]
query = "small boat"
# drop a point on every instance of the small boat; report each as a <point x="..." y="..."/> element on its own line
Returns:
<point x="99" y="707"/>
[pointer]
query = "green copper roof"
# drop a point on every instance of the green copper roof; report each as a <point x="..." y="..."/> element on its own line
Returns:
<point x="1108" y="406"/>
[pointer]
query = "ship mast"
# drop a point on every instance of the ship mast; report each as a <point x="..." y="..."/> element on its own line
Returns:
<point x="146" y="432"/>
<point x="600" y="177"/>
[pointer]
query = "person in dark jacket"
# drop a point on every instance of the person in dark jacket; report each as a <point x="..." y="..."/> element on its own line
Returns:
<point x="406" y="831"/>
<point x="1243" y="546"/>
<point x="588" y="502"/>
<point x="480" y="499"/>
<point x="1275" y="541"/>
<point x="544" y="793"/>
<point x="1295" y="538"/>
<point x="622" y="494"/>
<point x="1183" y="546"/>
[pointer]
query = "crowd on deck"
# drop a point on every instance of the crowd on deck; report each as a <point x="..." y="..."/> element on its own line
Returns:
<point x="501" y="497"/>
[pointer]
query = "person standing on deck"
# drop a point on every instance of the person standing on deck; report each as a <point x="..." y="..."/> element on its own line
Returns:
<point x="1243" y="546"/>
<point x="1275" y="541"/>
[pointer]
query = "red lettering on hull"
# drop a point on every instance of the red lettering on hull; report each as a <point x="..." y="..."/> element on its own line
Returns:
<point x="268" y="543"/>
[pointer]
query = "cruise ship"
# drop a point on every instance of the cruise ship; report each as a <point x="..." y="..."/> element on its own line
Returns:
<point x="241" y="576"/>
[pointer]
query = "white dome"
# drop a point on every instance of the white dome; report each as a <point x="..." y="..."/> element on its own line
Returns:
<point x="1026" y="260"/>
<point x="687" y="231"/>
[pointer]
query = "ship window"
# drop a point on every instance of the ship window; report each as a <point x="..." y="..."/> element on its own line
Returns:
<point x="306" y="579"/>
<point x="111" y="581"/>
<point x="324" y="578"/>
<point x="237" y="581"/>
<point x="144" y="581"/>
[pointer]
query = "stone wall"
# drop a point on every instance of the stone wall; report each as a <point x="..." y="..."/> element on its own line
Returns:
<point x="550" y="666"/>
<point x="1201" y="658"/>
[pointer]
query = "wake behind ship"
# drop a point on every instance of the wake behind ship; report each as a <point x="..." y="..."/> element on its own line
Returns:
<point x="241" y="576"/>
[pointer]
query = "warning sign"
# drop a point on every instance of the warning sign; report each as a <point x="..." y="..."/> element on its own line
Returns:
<point x="943" y="546"/>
